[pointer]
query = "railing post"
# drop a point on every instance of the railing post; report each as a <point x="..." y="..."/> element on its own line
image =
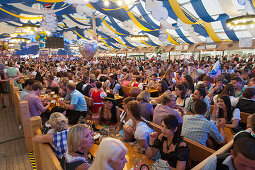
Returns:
<point x="36" y="123"/>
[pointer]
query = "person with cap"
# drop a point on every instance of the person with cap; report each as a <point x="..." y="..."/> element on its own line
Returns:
<point x="109" y="114"/>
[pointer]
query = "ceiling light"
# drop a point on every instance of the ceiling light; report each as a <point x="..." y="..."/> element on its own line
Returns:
<point x="120" y="3"/>
<point x="106" y="3"/>
<point x="241" y="21"/>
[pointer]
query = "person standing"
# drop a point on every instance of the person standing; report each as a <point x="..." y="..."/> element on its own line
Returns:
<point x="12" y="73"/>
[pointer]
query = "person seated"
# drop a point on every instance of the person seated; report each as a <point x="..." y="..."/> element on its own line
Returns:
<point x="218" y="88"/>
<point x="138" y="82"/>
<point x="97" y="96"/>
<point x="197" y="128"/>
<point x="162" y="87"/>
<point x="110" y="155"/>
<point x="36" y="107"/>
<point x="166" y="107"/>
<point x="125" y="126"/>
<point x="238" y="84"/>
<point x="171" y="145"/>
<point x="142" y="130"/>
<point x="51" y="81"/>
<point x="169" y="79"/>
<point x="228" y="90"/>
<point x="90" y="87"/>
<point x="147" y="108"/>
<point x="114" y="87"/>
<point x="247" y="103"/>
<point x="224" y="110"/>
<point x="178" y="77"/>
<point x="199" y="94"/>
<point x="77" y="106"/>
<point x="82" y="84"/>
<point x="109" y="114"/>
<point x="134" y="92"/>
<point x="181" y="94"/>
<point x="62" y="84"/>
<point x="127" y="80"/>
<point x="79" y="142"/>
<point x="207" y="84"/>
<point x="153" y="83"/>
<point x="188" y="79"/>
<point x="252" y="82"/>
<point x="57" y="123"/>
<point x="27" y="88"/>
<point x="242" y="156"/>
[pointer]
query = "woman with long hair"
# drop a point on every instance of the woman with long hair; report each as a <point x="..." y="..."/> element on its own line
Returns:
<point x="228" y="90"/>
<point x="110" y="113"/>
<point x="79" y="142"/>
<point x="97" y="96"/>
<point x="171" y="145"/>
<point x="181" y="94"/>
<point x="188" y="79"/>
<point x="223" y="111"/>
<point x="110" y="155"/>
<point x="142" y="130"/>
<point x="168" y="78"/>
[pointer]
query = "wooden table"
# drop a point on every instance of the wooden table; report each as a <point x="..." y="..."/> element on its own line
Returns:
<point x="129" y="156"/>
<point x="153" y="90"/>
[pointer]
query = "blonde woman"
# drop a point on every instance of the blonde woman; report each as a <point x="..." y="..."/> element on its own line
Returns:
<point x="79" y="142"/>
<point x="58" y="122"/>
<point x="127" y="80"/>
<point x="110" y="155"/>
<point x="147" y="108"/>
<point x="167" y="106"/>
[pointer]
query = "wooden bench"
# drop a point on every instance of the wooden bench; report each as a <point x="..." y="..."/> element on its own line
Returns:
<point x="45" y="158"/>
<point x="244" y="116"/>
<point x="222" y="150"/>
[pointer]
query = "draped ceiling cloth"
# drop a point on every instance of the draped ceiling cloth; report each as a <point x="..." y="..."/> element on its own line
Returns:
<point x="185" y="21"/>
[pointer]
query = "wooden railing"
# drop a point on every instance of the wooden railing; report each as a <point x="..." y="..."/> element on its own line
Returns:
<point x="23" y="115"/>
<point x="44" y="156"/>
<point x="222" y="150"/>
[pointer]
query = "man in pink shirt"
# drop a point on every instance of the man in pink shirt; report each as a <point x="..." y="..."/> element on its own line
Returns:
<point x="35" y="105"/>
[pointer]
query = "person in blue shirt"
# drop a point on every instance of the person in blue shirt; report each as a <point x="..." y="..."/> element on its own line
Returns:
<point x="77" y="106"/>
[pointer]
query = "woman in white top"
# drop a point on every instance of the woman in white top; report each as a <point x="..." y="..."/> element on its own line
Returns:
<point x="223" y="111"/>
<point x="126" y="125"/>
<point x="110" y="155"/>
<point x="142" y="130"/>
<point x="181" y="94"/>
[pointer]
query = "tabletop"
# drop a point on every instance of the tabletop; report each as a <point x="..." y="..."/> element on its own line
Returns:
<point x="129" y="156"/>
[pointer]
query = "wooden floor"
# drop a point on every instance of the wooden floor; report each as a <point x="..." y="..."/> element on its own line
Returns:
<point x="13" y="153"/>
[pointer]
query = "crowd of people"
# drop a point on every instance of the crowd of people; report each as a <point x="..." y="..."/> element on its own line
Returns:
<point x="193" y="99"/>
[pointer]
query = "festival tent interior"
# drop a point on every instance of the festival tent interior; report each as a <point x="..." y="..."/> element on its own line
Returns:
<point x="71" y="27"/>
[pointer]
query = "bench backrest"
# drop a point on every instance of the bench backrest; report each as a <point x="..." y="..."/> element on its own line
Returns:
<point x="44" y="156"/>
<point x="222" y="150"/>
<point x="244" y="116"/>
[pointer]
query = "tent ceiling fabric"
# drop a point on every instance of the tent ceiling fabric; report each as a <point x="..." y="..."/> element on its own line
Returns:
<point x="184" y="21"/>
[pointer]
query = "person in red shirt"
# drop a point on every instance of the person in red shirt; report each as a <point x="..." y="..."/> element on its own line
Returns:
<point x="97" y="95"/>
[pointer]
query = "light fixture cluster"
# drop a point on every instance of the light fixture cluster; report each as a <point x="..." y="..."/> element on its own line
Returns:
<point x="139" y="37"/>
<point x="30" y="28"/>
<point x="241" y="21"/>
<point x="20" y="39"/>
<point x="118" y="2"/>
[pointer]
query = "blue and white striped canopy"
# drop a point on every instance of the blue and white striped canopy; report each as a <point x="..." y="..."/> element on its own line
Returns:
<point x="183" y="21"/>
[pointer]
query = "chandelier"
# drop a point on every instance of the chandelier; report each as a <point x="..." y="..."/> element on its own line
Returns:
<point x="118" y="2"/>
<point x="30" y="28"/>
<point x="241" y="21"/>
<point x="20" y="39"/>
<point x="139" y="37"/>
